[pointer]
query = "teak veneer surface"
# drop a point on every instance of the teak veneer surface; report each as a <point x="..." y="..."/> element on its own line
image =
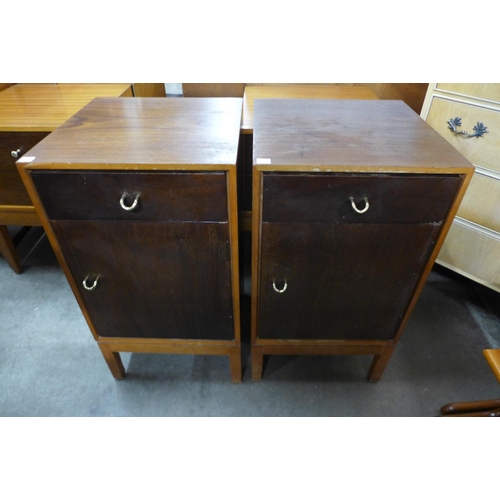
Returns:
<point x="351" y="133"/>
<point x="296" y="91"/>
<point x="127" y="133"/>
<point x="42" y="107"/>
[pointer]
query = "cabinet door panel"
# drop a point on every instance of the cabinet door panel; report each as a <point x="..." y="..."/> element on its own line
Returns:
<point x="157" y="280"/>
<point x="342" y="281"/>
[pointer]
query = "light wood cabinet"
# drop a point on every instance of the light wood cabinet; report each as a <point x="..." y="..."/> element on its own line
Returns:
<point x="28" y="113"/>
<point x="472" y="247"/>
<point x="352" y="200"/>
<point x="138" y="198"/>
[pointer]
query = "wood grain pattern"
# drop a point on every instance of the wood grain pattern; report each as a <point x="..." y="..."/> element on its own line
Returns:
<point x="471" y="252"/>
<point x="392" y="199"/>
<point x="213" y="89"/>
<point x="141" y="130"/>
<point x="481" y="202"/>
<point x="349" y="139"/>
<point x="163" y="196"/>
<point x="296" y="91"/>
<point x="372" y="134"/>
<point x="42" y="107"/>
<point x="489" y="91"/>
<point x="124" y="133"/>
<point x="493" y="358"/>
<point x="149" y="90"/>
<point x="482" y="151"/>
<point x="344" y="281"/>
<point x="157" y="280"/>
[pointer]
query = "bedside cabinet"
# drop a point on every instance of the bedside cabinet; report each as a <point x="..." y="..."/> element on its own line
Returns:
<point x="138" y="198"/>
<point x="351" y="203"/>
<point x="467" y="115"/>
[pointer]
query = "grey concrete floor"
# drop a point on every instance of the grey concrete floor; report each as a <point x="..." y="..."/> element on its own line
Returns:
<point x="51" y="366"/>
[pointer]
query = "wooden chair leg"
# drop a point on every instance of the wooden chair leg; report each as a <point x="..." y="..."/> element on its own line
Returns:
<point x="235" y="364"/>
<point x="257" y="362"/>
<point x="114" y="361"/>
<point x="379" y="363"/>
<point x="470" y="406"/>
<point x="8" y="250"/>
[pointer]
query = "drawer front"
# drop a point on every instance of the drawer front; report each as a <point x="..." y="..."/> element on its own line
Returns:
<point x="12" y="190"/>
<point x="482" y="151"/>
<point x="473" y="253"/>
<point x="165" y="196"/>
<point x="327" y="198"/>
<point x="481" y="203"/>
<point x="16" y="141"/>
<point x="489" y="91"/>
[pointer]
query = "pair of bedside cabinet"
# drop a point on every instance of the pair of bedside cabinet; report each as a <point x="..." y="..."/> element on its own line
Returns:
<point x="351" y="202"/>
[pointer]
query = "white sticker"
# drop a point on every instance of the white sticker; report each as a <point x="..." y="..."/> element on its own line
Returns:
<point x="263" y="161"/>
<point x="26" y="159"/>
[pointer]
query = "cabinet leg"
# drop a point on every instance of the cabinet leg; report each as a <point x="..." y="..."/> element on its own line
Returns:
<point x="114" y="361"/>
<point x="257" y="362"/>
<point x="379" y="363"/>
<point x="235" y="363"/>
<point x="8" y="251"/>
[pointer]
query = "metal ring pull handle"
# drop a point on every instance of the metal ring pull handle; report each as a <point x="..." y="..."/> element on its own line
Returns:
<point x="276" y="289"/>
<point x="16" y="153"/>
<point x="356" y="209"/>
<point x="479" y="129"/>
<point x="131" y="207"/>
<point x="92" y="287"/>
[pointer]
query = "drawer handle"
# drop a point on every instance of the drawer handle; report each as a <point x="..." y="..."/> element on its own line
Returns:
<point x="92" y="287"/>
<point x="131" y="207"/>
<point x="479" y="129"/>
<point x="356" y="209"/>
<point x="276" y="289"/>
<point x="16" y="153"/>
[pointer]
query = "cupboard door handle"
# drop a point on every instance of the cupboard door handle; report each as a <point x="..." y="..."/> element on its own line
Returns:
<point x="356" y="209"/>
<point x="16" y="153"/>
<point x="276" y="289"/>
<point x="92" y="287"/>
<point x="479" y="129"/>
<point x="131" y="207"/>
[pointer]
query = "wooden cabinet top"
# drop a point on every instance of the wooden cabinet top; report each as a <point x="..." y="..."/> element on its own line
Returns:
<point x="297" y="91"/>
<point x="42" y="107"/>
<point x="144" y="133"/>
<point x="371" y="135"/>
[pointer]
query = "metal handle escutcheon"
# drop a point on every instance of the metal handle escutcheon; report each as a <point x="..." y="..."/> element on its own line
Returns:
<point x="92" y="287"/>
<point x="16" y="153"/>
<point x="276" y="289"/>
<point x="131" y="207"/>
<point x="356" y="209"/>
<point x="479" y="129"/>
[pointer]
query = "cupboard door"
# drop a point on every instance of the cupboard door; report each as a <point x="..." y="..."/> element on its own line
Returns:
<point x="156" y="279"/>
<point x="339" y="281"/>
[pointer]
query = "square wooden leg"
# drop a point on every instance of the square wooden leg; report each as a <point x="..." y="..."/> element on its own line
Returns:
<point x="8" y="251"/>
<point x="114" y="361"/>
<point x="257" y="362"/>
<point x="235" y="363"/>
<point x="379" y="363"/>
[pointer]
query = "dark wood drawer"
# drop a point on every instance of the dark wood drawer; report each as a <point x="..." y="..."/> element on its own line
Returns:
<point x="14" y="141"/>
<point x="172" y="196"/>
<point x="392" y="199"/>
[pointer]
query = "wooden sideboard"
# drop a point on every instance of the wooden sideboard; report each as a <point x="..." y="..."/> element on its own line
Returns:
<point x="28" y="113"/>
<point x="295" y="91"/>
<point x="351" y="204"/>
<point x="138" y="199"/>
<point x="472" y="247"/>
